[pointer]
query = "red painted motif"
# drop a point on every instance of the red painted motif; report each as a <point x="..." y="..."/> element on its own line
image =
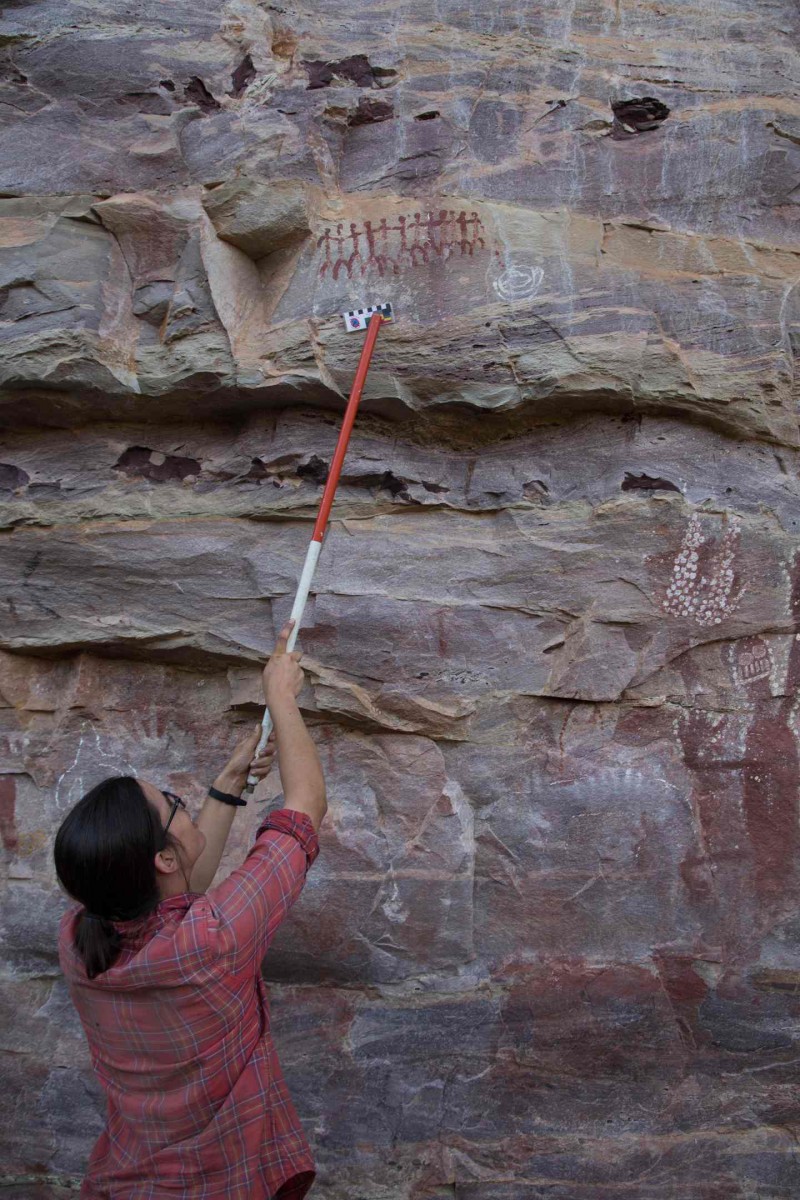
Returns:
<point x="8" y="825"/>
<point x="412" y="242"/>
<point x="745" y="794"/>
<point x="769" y="778"/>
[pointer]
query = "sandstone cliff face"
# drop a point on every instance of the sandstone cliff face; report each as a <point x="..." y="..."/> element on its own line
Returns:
<point x="551" y="945"/>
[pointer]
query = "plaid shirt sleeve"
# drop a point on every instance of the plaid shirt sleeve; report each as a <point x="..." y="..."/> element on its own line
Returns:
<point x="247" y="908"/>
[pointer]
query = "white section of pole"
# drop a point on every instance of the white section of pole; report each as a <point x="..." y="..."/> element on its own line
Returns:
<point x="298" y="608"/>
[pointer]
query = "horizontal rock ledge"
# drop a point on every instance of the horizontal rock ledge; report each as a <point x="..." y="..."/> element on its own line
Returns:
<point x="498" y="308"/>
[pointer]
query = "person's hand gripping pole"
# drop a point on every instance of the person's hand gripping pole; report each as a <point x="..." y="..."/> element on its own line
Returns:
<point x="282" y="671"/>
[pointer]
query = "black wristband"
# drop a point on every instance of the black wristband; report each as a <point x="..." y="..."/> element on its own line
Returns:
<point x="227" y="798"/>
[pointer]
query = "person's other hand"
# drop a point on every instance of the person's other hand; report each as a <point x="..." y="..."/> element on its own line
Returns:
<point x="244" y="761"/>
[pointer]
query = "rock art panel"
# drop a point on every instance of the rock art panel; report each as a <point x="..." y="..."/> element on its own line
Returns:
<point x="518" y="282"/>
<point x="753" y="660"/>
<point x="702" y="582"/>
<point x="551" y="942"/>
<point x="415" y="239"/>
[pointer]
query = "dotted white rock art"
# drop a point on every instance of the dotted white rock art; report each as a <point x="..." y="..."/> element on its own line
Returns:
<point x="702" y="579"/>
<point x="519" y="283"/>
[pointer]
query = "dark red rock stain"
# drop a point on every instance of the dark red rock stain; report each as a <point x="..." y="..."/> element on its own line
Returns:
<point x="713" y="774"/>
<point x="766" y="777"/>
<point x="357" y="68"/>
<point x="8" y="824"/>
<point x="770" y="782"/>
<point x="686" y="991"/>
<point x="601" y="1020"/>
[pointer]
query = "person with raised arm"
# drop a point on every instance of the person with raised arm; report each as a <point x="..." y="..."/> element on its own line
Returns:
<point x="166" y="975"/>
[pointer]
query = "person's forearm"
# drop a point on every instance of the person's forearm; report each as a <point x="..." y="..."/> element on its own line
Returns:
<point x="215" y="822"/>
<point x="298" y="762"/>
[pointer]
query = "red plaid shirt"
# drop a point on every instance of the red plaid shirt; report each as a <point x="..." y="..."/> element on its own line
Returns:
<point x="179" y="1034"/>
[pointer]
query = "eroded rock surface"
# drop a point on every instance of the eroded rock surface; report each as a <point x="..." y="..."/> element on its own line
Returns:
<point x="551" y="944"/>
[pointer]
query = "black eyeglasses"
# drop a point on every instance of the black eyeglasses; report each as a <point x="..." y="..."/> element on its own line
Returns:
<point x="176" y="803"/>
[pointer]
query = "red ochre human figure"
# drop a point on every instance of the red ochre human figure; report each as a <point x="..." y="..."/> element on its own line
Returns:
<point x="414" y="241"/>
<point x="744" y="764"/>
<point x="166" y="976"/>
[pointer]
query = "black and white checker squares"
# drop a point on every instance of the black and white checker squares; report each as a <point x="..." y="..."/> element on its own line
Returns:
<point x="359" y="317"/>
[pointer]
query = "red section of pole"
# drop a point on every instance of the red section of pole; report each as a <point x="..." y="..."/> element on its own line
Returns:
<point x="344" y="437"/>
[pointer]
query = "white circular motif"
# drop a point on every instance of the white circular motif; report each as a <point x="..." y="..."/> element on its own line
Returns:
<point x="519" y="283"/>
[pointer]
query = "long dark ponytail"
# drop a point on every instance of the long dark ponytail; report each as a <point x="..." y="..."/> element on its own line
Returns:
<point x="104" y="854"/>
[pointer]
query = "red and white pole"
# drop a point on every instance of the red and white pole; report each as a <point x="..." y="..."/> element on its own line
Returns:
<point x="312" y="555"/>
